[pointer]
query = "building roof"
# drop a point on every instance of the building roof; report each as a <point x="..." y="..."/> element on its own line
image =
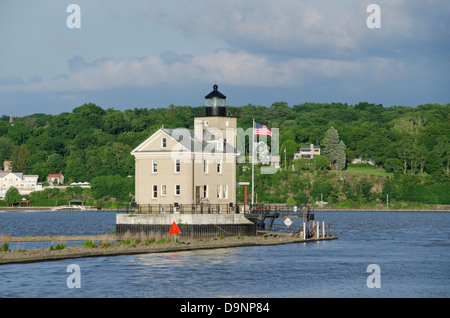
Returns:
<point x="215" y="93"/>
<point x="19" y="175"/>
<point x="55" y="175"/>
<point x="309" y="147"/>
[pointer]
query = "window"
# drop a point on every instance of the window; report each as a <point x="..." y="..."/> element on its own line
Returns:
<point x="155" y="166"/>
<point x="163" y="190"/>
<point x="205" y="191"/>
<point x="205" y="166"/>
<point x="155" y="191"/>
<point x="177" y="189"/>
<point x="163" y="142"/>
<point x="219" y="191"/>
<point x="225" y="191"/>
<point x="219" y="166"/>
<point x="178" y="166"/>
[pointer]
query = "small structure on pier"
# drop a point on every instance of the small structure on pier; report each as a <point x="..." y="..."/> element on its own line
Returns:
<point x="309" y="228"/>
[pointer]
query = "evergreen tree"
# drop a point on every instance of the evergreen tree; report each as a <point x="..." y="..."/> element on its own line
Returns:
<point x="20" y="159"/>
<point x="330" y="146"/>
<point x="341" y="157"/>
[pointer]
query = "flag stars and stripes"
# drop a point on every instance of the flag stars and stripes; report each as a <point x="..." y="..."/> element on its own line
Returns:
<point x="261" y="129"/>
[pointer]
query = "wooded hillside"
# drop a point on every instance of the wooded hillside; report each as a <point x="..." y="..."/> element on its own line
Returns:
<point x="93" y="144"/>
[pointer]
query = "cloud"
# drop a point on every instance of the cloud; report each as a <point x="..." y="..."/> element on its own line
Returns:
<point x="76" y="64"/>
<point x="234" y="68"/>
<point x="320" y="28"/>
<point x="310" y="44"/>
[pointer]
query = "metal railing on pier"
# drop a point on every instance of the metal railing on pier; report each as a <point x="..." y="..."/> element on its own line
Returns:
<point x="259" y="209"/>
<point x="183" y="209"/>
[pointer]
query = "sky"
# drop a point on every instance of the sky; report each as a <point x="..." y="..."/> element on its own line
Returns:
<point x="153" y="53"/>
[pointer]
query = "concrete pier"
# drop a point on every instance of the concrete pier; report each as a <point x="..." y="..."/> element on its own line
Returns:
<point x="190" y="225"/>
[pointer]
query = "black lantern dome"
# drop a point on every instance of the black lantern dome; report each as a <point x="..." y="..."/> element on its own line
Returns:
<point x="215" y="103"/>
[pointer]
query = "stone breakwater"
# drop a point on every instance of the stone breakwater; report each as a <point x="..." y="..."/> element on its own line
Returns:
<point x="138" y="246"/>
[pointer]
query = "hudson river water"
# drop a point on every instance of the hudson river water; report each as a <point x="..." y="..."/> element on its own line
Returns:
<point x="411" y="249"/>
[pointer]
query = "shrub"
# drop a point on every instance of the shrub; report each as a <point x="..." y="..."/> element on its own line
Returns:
<point x="90" y="244"/>
<point x="4" y="247"/>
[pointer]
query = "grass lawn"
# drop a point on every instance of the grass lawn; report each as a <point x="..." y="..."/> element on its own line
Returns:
<point x="368" y="171"/>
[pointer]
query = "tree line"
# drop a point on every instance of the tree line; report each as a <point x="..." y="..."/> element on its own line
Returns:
<point x="92" y="142"/>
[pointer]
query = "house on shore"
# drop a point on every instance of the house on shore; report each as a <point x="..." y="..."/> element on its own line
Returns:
<point x="24" y="183"/>
<point x="308" y="152"/>
<point x="59" y="177"/>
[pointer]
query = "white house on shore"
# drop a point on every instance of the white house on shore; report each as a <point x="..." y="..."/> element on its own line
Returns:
<point x="24" y="183"/>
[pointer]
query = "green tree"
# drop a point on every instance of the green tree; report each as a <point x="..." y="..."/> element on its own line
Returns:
<point x="114" y="122"/>
<point x="341" y="158"/>
<point x="301" y="197"/>
<point x="441" y="152"/>
<point x="421" y="154"/>
<point x="12" y="196"/>
<point x="291" y="148"/>
<point x="55" y="163"/>
<point x="76" y="167"/>
<point x="291" y="201"/>
<point x="321" y="162"/>
<point x="362" y="189"/>
<point x="6" y="148"/>
<point x="330" y="146"/>
<point x="321" y="189"/>
<point x="393" y="165"/>
<point x="88" y="116"/>
<point x="373" y="147"/>
<point x="20" y="159"/>
<point x="404" y="152"/>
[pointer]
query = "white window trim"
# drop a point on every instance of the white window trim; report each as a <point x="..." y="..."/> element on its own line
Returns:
<point x="177" y="161"/>
<point x="162" y="193"/>
<point x="175" y="190"/>
<point x="163" y="141"/>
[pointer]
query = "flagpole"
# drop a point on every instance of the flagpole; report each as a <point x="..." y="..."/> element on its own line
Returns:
<point x="253" y="162"/>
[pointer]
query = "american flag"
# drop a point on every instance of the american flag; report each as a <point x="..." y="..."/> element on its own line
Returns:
<point x="261" y="129"/>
